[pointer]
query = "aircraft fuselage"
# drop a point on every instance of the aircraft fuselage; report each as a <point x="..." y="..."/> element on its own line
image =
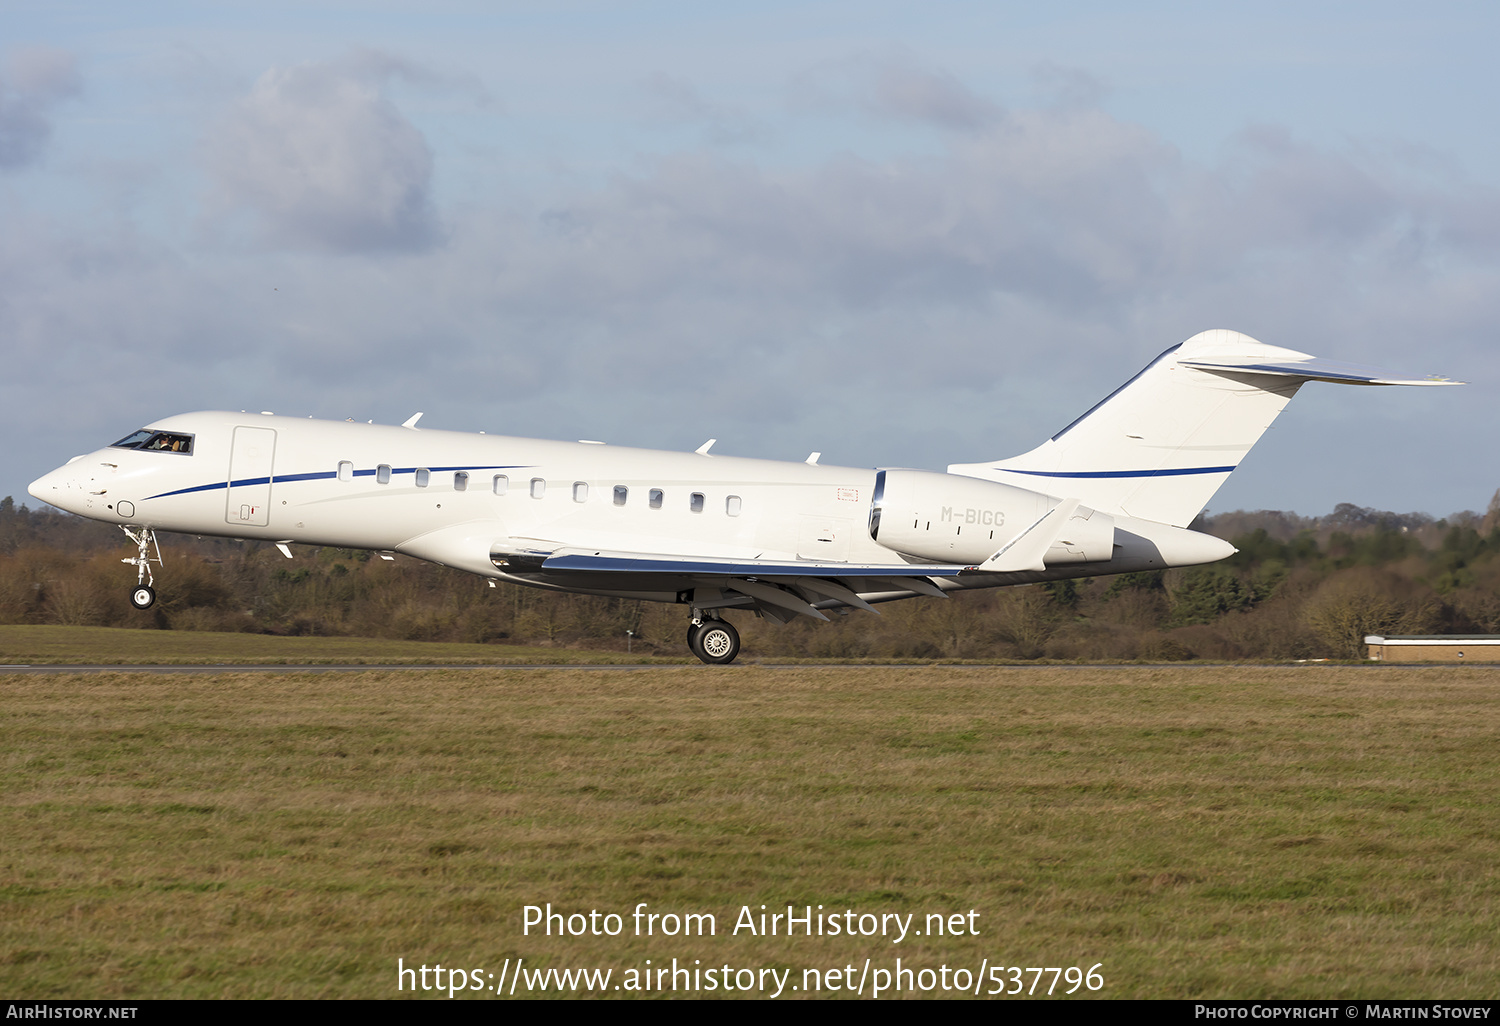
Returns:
<point x="1110" y="493"/>
<point x="460" y="499"/>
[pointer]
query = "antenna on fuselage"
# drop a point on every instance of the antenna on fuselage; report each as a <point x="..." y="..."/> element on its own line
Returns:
<point x="411" y="421"/>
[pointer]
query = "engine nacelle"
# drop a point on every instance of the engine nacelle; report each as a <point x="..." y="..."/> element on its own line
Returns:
<point x="951" y="519"/>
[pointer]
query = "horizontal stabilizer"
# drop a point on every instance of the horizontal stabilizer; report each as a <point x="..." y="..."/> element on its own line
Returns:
<point x="1313" y="369"/>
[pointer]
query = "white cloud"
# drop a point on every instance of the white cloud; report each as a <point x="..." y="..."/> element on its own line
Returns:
<point x="34" y="80"/>
<point x="901" y="90"/>
<point x="321" y="159"/>
<point x="671" y="100"/>
<point x="949" y="306"/>
<point x="895" y="86"/>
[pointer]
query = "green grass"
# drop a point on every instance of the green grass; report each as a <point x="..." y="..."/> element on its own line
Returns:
<point x="1218" y="833"/>
<point x="40" y="644"/>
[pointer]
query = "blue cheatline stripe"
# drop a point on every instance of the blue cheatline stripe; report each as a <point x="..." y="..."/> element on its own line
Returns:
<point x="751" y="568"/>
<point x="1183" y="472"/>
<point x="320" y="475"/>
<point x="195" y="488"/>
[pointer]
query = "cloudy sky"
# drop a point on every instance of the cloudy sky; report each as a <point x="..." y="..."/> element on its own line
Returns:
<point x="902" y="234"/>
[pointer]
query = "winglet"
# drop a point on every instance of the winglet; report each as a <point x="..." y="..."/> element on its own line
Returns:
<point x="411" y="421"/>
<point x="1027" y="550"/>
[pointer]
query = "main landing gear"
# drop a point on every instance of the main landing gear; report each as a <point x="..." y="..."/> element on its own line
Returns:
<point x="143" y="596"/>
<point x="713" y="640"/>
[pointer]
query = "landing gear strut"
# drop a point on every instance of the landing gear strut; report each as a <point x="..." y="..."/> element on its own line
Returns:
<point x="143" y="596"/>
<point x="714" y="641"/>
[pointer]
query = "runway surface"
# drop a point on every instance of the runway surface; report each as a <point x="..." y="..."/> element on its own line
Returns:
<point x="305" y="668"/>
<point x="36" y="668"/>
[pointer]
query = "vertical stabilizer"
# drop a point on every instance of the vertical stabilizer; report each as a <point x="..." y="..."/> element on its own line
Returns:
<point x="1160" y="445"/>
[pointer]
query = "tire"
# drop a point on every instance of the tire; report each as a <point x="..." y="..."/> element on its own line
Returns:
<point x="717" y="642"/>
<point x="692" y="639"/>
<point x="143" y="597"/>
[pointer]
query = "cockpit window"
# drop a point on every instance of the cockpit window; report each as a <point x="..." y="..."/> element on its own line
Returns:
<point x="156" y="441"/>
<point x="133" y="440"/>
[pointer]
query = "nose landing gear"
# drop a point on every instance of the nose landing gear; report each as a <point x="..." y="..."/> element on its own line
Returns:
<point x="143" y="596"/>
<point x="714" y="641"/>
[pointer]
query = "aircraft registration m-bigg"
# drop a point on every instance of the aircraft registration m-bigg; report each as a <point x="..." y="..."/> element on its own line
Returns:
<point x="1111" y="493"/>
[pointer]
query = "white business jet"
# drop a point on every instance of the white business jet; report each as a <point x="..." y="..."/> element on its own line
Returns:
<point x="1113" y="492"/>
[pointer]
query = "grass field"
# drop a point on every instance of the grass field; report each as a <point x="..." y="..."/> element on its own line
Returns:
<point x="1231" y="832"/>
<point x="44" y="644"/>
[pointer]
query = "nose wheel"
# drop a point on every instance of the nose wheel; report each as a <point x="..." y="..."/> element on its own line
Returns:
<point x="714" y="641"/>
<point x="147" y="552"/>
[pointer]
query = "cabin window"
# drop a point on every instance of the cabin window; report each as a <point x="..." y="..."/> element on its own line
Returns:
<point x="423" y="476"/>
<point x="732" y="505"/>
<point x="383" y="474"/>
<point x="695" y="502"/>
<point x="346" y="470"/>
<point x="501" y="484"/>
<point x="538" y="487"/>
<point x="621" y="494"/>
<point x="580" y="491"/>
<point x="461" y="481"/>
<point x="655" y="498"/>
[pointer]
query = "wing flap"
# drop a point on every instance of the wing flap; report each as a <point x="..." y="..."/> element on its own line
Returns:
<point x="779" y="597"/>
<point x="830" y="590"/>
<point x="779" y="589"/>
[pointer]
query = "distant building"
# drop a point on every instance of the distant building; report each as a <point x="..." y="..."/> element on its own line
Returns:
<point x="1435" y="648"/>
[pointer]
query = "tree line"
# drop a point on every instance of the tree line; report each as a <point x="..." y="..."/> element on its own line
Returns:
<point x="1299" y="587"/>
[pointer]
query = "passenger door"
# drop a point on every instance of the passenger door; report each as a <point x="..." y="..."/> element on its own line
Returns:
<point x="250" y="465"/>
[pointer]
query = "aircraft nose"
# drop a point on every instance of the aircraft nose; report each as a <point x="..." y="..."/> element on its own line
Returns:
<point x="43" y="486"/>
<point x="55" y="489"/>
